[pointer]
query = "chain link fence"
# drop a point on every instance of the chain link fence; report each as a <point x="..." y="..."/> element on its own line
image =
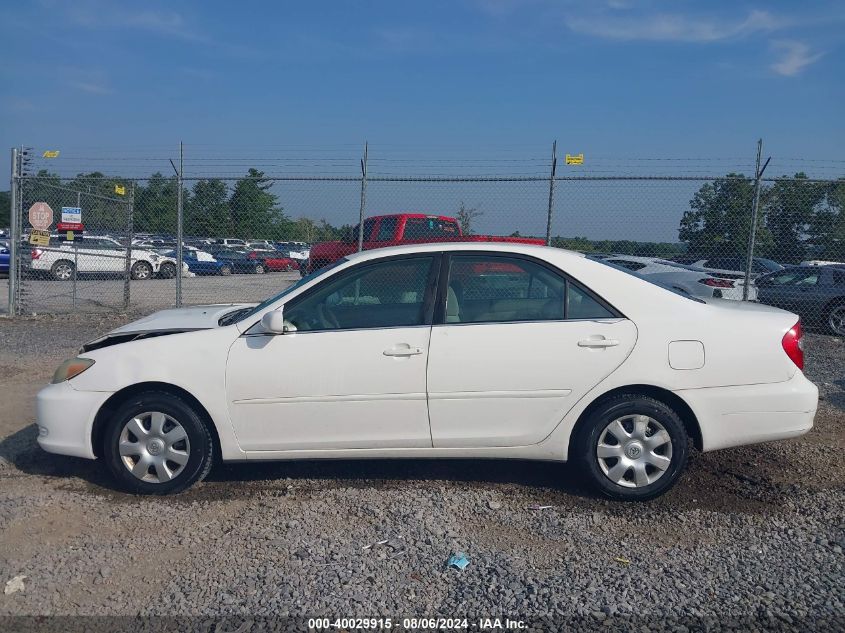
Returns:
<point x="248" y="237"/>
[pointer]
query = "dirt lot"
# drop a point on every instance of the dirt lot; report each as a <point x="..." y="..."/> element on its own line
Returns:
<point x="755" y="533"/>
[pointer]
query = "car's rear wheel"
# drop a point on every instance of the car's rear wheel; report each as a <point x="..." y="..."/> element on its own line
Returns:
<point x="259" y="269"/>
<point x="141" y="270"/>
<point x="288" y="268"/>
<point x="836" y="319"/>
<point x="157" y="444"/>
<point x="226" y="270"/>
<point x="632" y="448"/>
<point x="62" y="270"/>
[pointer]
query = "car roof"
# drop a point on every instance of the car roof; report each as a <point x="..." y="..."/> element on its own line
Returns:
<point x="501" y="247"/>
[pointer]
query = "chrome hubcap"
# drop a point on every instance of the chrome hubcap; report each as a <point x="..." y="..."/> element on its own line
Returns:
<point x="63" y="272"/>
<point x="154" y="447"/>
<point x="634" y="451"/>
<point x="836" y="320"/>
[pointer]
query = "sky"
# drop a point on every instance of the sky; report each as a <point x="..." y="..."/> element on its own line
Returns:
<point x="436" y="81"/>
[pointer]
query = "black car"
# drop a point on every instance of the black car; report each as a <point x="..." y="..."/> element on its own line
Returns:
<point x="240" y="260"/>
<point x="815" y="293"/>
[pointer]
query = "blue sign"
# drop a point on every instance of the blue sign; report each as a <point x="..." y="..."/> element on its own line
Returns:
<point x="72" y="215"/>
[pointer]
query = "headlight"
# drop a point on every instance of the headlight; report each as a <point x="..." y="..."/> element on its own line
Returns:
<point x="71" y="368"/>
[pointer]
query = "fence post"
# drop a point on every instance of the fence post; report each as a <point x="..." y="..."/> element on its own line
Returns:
<point x="179" y="233"/>
<point x="363" y="199"/>
<point x="15" y="235"/>
<point x="130" y="221"/>
<point x="551" y="195"/>
<point x="755" y="210"/>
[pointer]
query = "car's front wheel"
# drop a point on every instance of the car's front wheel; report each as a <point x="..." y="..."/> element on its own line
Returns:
<point x="259" y="269"/>
<point x="156" y="443"/>
<point x="632" y="448"/>
<point x="167" y="270"/>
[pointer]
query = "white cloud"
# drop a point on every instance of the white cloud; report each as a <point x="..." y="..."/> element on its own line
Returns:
<point x="673" y="27"/>
<point x="794" y="57"/>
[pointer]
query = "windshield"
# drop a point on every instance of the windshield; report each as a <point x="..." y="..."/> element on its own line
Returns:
<point x="240" y="315"/>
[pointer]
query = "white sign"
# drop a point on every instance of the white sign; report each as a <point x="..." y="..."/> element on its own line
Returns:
<point x="72" y="214"/>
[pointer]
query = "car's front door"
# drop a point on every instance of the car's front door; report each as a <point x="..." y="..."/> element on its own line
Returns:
<point x="352" y="375"/>
<point x="517" y="345"/>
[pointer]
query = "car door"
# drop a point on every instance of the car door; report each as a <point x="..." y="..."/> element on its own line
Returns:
<point x="352" y="375"/>
<point x="514" y="346"/>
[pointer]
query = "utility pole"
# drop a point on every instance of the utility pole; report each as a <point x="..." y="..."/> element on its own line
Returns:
<point x="15" y="235"/>
<point x="179" y="203"/>
<point x="755" y="210"/>
<point x="551" y="194"/>
<point x="363" y="199"/>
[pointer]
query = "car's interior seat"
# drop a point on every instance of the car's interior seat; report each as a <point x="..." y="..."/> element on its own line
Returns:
<point x="453" y="308"/>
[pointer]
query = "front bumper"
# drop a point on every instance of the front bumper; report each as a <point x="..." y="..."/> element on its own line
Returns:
<point x="750" y="414"/>
<point x="65" y="418"/>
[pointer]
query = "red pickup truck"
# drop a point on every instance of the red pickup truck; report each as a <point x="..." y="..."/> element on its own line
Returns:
<point x="401" y="228"/>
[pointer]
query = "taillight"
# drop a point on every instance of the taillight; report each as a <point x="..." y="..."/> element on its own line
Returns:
<point x="716" y="283"/>
<point x="793" y="345"/>
<point x="36" y="254"/>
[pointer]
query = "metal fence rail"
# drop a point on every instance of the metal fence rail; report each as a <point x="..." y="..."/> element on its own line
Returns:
<point x="176" y="238"/>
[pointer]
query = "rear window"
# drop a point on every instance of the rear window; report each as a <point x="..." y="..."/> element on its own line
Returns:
<point x="424" y="228"/>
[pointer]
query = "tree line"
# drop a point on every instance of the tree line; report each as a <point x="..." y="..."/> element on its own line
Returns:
<point x="798" y="218"/>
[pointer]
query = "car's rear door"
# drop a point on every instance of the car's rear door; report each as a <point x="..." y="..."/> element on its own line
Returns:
<point x="514" y="346"/>
<point x="352" y="375"/>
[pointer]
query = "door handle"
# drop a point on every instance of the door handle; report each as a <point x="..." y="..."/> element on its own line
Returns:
<point x="598" y="342"/>
<point x="402" y="350"/>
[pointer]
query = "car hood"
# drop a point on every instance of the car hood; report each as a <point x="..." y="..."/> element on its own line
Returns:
<point x="164" y="322"/>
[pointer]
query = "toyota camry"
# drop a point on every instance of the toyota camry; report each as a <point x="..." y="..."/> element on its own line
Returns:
<point x="467" y="350"/>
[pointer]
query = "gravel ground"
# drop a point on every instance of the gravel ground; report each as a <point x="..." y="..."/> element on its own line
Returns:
<point x="751" y="536"/>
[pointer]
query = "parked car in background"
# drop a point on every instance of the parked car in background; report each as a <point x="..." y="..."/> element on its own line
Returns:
<point x="694" y="282"/>
<point x="4" y="258"/>
<point x="401" y="228"/>
<point x="98" y="255"/>
<point x="731" y="267"/>
<point x="821" y="262"/>
<point x="274" y="260"/>
<point x="229" y="242"/>
<point x="203" y="263"/>
<point x="296" y="250"/>
<point x="436" y="350"/>
<point x="817" y="293"/>
<point x="239" y="261"/>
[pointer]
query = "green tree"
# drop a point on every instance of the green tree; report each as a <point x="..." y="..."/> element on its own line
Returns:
<point x="207" y="213"/>
<point x="719" y="219"/>
<point x="791" y="208"/>
<point x="826" y="230"/>
<point x="255" y="210"/>
<point x="5" y="209"/>
<point x="466" y="216"/>
<point x="156" y="205"/>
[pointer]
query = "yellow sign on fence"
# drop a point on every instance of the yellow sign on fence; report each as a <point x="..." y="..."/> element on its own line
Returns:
<point x="120" y="190"/>
<point x="50" y="153"/>
<point x="37" y="237"/>
<point x="575" y="159"/>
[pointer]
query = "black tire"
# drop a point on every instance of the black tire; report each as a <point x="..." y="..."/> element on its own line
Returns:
<point x="201" y="443"/>
<point x="141" y="270"/>
<point x="288" y="268"/>
<point x="835" y="319"/>
<point x="586" y="444"/>
<point x="258" y="269"/>
<point x="167" y="270"/>
<point x="62" y="270"/>
<point x="225" y="270"/>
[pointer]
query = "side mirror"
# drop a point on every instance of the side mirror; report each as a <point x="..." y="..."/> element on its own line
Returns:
<point x="273" y="322"/>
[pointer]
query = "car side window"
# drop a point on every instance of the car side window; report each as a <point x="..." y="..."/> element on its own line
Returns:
<point x="389" y="293"/>
<point x="496" y="289"/>
<point x="386" y="230"/>
<point x="424" y="228"/>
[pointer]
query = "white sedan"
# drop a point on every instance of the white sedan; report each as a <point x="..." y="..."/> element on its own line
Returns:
<point x="439" y="350"/>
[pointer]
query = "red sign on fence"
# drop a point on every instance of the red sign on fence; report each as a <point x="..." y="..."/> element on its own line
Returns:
<point x="70" y="226"/>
